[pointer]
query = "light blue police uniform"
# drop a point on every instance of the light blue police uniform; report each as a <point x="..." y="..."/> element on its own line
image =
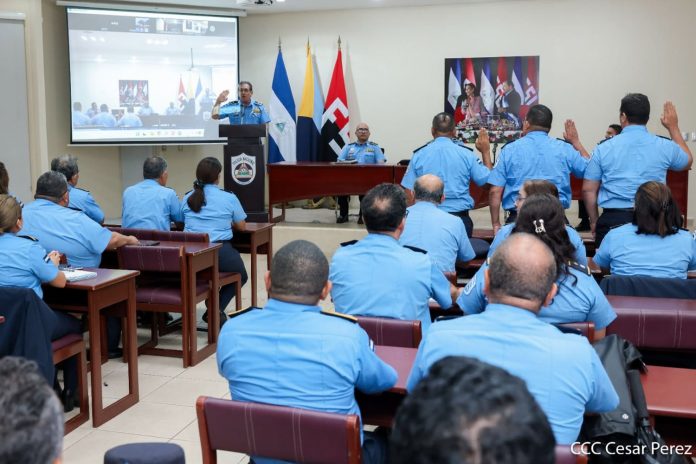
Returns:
<point x="455" y="164"/>
<point x="579" y="299"/>
<point x="629" y="159"/>
<point x="149" y="205"/>
<point x="104" y="119"/>
<point x="439" y="233"/>
<point x="562" y="371"/>
<point x="130" y="120"/>
<point x="254" y="113"/>
<point x="79" y="119"/>
<point x="625" y="252"/>
<point x="536" y="156"/>
<point x="66" y="230"/>
<point x="575" y="240"/>
<point x="294" y="355"/>
<point x="220" y="210"/>
<point x="378" y="277"/>
<point x="363" y="153"/>
<point x="83" y="200"/>
<point x="24" y="263"/>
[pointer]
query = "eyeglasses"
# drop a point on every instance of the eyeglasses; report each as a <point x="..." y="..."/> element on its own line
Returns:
<point x="520" y="199"/>
<point x="362" y="129"/>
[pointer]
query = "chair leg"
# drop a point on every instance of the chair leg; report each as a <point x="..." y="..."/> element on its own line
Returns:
<point x="238" y="297"/>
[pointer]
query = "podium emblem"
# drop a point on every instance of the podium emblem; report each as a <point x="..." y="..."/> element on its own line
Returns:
<point x="243" y="168"/>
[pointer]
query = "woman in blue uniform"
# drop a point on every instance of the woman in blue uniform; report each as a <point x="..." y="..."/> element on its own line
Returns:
<point x="538" y="187"/>
<point x="26" y="264"/>
<point x="653" y="244"/>
<point x="207" y="208"/>
<point x="579" y="298"/>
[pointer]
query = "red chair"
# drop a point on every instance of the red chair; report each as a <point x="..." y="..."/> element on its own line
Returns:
<point x="564" y="455"/>
<point x="277" y="432"/>
<point x="65" y="348"/>
<point x="392" y="332"/>
<point x="166" y="286"/>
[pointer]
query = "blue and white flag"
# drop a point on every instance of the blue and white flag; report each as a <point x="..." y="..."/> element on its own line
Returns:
<point x="454" y="88"/>
<point x="282" y="129"/>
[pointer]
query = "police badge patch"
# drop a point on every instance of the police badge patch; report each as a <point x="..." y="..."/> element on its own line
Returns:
<point x="243" y="169"/>
<point x="470" y="285"/>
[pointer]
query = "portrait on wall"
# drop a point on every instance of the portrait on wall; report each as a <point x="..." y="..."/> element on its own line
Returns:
<point x="133" y="93"/>
<point x="493" y="92"/>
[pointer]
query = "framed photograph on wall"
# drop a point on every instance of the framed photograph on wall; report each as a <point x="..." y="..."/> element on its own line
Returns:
<point x="133" y="92"/>
<point x="492" y="92"/>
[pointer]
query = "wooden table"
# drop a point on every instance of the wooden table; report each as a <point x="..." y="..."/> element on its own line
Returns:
<point x="257" y="238"/>
<point x="642" y="302"/>
<point x="112" y="290"/>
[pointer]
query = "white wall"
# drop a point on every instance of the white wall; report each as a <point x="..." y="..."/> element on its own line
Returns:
<point x="592" y="53"/>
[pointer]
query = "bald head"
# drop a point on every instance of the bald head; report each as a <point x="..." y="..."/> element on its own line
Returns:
<point x="429" y="187"/>
<point x="523" y="269"/>
<point x="362" y="132"/>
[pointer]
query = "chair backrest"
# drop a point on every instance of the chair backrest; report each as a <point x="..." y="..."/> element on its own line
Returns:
<point x="151" y="258"/>
<point x="656" y="287"/>
<point x="140" y="234"/>
<point x="277" y="432"/>
<point x="586" y="328"/>
<point x="564" y="455"/>
<point x="661" y="328"/>
<point x="392" y="332"/>
<point x="179" y="236"/>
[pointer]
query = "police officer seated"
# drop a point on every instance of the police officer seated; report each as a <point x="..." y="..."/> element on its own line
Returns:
<point x="454" y="163"/>
<point x="622" y="163"/>
<point x="362" y="151"/>
<point x="379" y="277"/>
<point x="534" y="156"/>
<point x="72" y="233"/>
<point x="290" y="353"/>
<point x="469" y="412"/>
<point x="562" y="371"/>
<point x="79" y="198"/>
<point x="31" y="422"/>
<point x="441" y="234"/>
<point x="150" y="204"/>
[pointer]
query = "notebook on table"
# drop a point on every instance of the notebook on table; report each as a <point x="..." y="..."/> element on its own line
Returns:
<point x="73" y="275"/>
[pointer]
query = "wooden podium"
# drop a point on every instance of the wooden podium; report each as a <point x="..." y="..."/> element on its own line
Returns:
<point x="245" y="168"/>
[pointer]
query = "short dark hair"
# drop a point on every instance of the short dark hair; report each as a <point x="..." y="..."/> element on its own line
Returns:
<point x="467" y="411"/>
<point x="617" y="128"/>
<point x="241" y="83"/>
<point x="636" y="107"/>
<point x="51" y="185"/>
<point x="540" y="116"/>
<point x="423" y="193"/>
<point x="383" y="208"/>
<point x="655" y="211"/>
<point x="207" y="172"/>
<point x="510" y="276"/>
<point x="77" y="106"/>
<point x="299" y="271"/>
<point x="540" y="186"/>
<point x="66" y="165"/>
<point x="31" y="423"/>
<point x="154" y="167"/>
<point x="443" y="123"/>
<point x="104" y="108"/>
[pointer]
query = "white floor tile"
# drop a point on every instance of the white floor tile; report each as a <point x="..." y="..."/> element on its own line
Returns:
<point x="184" y="392"/>
<point x="91" y="449"/>
<point x="157" y="420"/>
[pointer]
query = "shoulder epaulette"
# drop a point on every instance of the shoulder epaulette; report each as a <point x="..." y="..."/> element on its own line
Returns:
<point x="78" y="188"/>
<point x="422" y="146"/>
<point x="459" y="143"/>
<point x="663" y="137"/>
<point x="603" y="140"/>
<point x="563" y="140"/>
<point x="74" y="208"/>
<point x="345" y="317"/>
<point x="188" y="192"/>
<point x="416" y="249"/>
<point x="579" y="267"/>
<point x="349" y="243"/>
<point x="370" y="142"/>
<point x="448" y="318"/>
<point x="241" y="311"/>
<point x="29" y="237"/>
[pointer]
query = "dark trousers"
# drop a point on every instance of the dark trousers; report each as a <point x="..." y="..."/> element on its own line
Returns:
<point x="468" y="223"/>
<point x="582" y="212"/>
<point x="609" y="219"/>
<point x="229" y="260"/>
<point x="66" y="324"/>
<point x="344" y="201"/>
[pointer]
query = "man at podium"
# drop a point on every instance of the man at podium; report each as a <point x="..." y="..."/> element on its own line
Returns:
<point x="242" y="111"/>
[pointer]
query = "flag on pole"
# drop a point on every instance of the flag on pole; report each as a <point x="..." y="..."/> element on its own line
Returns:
<point x="310" y="114"/>
<point x="517" y="76"/>
<point x="199" y="88"/>
<point x="470" y="75"/>
<point x="182" y="91"/>
<point x="454" y="89"/>
<point x="487" y="92"/>
<point x="530" y="92"/>
<point x="282" y="129"/>
<point x="334" y="128"/>
<point x="502" y="76"/>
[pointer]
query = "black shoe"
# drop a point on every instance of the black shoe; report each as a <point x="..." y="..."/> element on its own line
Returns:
<point x="205" y="316"/>
<point x="115" y="354"/>
<point x="341" y="219"/>
<point x="360" y="220"/>
<point x="69" y="400"/>
<point x="584" y="226"/>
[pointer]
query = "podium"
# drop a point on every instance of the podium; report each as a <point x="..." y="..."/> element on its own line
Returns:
<point x="245" y="168"/>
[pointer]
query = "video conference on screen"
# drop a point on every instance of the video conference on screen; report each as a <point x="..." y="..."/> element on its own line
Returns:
<point x="141" y="77"/>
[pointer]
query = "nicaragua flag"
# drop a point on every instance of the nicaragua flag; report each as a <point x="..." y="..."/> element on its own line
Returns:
<point x="199" y="88"/>
<point x="282" y="129"/>
<point x="487" y="92"/>
<point x="454" y="86"/>
<point x="334" y="129"/>
<point x="310" y="114"/>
